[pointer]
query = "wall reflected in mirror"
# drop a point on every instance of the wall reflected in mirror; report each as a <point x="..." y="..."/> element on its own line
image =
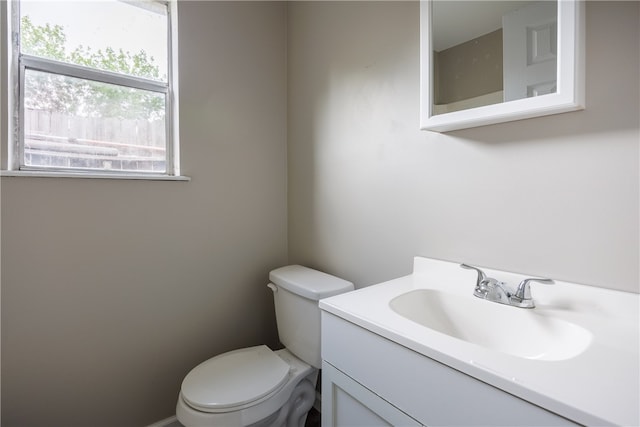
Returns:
<point x="489" y="52"/>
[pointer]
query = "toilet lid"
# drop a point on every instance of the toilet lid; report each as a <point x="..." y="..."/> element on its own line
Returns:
<point x="234" y="379"/>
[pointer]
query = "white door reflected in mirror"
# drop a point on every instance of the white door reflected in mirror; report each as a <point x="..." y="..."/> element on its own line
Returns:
<point x="512" y="60"/>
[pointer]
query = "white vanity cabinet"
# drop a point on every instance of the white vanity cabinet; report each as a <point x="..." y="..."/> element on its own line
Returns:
<point x="368" y="380"/>
<point x="352" y="404"/>
<point x="423" y="350"/>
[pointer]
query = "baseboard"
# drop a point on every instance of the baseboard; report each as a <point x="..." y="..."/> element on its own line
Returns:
<point x="167" y="422"/>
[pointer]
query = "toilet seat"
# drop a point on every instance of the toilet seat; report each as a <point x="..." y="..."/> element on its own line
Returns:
<point x="235" y="380"/>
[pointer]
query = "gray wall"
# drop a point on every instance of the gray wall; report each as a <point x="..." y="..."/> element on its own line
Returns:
<point x="554" y="196"/>
<point x="113" y="290"/>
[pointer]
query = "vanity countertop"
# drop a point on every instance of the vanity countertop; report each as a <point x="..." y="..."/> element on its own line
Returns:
<point x="598" y="386"/>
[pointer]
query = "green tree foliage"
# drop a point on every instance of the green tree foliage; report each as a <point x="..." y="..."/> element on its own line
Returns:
<point x="81" y="97"/>
<point x="47" y="41"/>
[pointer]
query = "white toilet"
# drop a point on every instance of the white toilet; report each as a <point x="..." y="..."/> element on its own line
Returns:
<point x="256" y="386"/>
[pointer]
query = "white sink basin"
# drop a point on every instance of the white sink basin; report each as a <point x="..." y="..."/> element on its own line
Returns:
<point x="516" y="331"/>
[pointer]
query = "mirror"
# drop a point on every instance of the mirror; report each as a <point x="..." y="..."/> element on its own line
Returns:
<point x="485" y="62"/>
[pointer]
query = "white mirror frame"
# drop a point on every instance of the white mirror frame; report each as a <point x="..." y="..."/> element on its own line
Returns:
<point x="570" y="87"/>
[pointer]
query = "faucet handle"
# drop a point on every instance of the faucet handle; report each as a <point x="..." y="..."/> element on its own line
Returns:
<point x="481" y="275"/>
<point x="524" y="291"/>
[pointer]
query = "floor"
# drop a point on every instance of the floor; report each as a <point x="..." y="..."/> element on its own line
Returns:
<point x="313" y="419"/>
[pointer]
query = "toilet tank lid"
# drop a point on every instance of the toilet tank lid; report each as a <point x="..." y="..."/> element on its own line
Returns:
<point x="309" y="283"/>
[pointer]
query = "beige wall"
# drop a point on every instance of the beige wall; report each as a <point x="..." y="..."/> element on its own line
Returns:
<point x="470" y="69"/>
<point x="113" y="290"/>
<point x="554" y="196"/>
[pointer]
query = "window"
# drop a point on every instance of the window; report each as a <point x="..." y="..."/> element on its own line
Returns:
<point x="93" y="87"/>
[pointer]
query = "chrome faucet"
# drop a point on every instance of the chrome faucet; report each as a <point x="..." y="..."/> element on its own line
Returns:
<point x="496" y="291"/>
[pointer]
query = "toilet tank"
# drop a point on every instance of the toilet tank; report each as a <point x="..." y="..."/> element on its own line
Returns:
<point x="296" y="294"/>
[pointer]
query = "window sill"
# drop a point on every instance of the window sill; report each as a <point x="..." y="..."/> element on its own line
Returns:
<point x="91" y="175"/>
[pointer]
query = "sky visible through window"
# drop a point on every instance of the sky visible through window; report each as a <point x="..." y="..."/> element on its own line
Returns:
<point x="99" y="24"/>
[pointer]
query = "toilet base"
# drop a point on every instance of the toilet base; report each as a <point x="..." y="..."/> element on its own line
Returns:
<point x="294" y="412"/>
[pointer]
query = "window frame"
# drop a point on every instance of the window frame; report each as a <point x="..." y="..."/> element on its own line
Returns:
<point x="17" y="66"/>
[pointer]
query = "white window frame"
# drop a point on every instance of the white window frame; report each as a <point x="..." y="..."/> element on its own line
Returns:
<point x="18" y="64"/>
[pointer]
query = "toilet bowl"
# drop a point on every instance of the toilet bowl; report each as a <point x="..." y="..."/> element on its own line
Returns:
<point x="248" y="387"/>
<point x="257" y="386"/>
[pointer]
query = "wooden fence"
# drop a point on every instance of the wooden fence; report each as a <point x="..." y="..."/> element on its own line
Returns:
<point x="61" y="140"/>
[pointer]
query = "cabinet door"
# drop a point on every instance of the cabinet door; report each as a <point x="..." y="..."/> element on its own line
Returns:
<point x="346" y="402"/>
